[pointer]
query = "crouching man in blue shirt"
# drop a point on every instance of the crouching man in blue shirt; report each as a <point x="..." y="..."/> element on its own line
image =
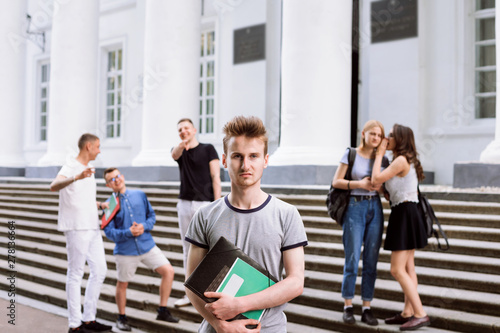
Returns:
<point x="131" y="229"/>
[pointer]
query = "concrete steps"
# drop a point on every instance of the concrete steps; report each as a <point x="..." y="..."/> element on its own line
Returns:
<point x="460" y="288"/>
<point x="29" y="252"/>
<point x="138" y="317"/>
<point x="469" y="240"/>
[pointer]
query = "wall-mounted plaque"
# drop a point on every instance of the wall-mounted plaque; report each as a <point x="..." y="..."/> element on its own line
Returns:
<point x="393" y="20"/>
<point x="250" y="44"/>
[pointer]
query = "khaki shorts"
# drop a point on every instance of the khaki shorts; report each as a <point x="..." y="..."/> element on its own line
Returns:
<point x="127" y="265"/>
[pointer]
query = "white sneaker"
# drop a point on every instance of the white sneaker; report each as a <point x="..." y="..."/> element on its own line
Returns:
<point x="182" y="302"/>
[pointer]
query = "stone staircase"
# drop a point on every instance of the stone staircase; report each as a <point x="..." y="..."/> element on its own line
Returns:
<point x="460" y="288"/>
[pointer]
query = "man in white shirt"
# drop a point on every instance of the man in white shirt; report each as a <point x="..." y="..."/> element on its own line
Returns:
<point x="78" y="219"/>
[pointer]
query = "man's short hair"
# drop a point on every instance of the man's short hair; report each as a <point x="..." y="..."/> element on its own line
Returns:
<point x="108" y="170"/>
<point x="87" y="137"/>
<point x="251" y="127"/>
<point x="185" y="119"/>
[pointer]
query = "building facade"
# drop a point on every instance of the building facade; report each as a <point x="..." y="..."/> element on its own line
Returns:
<point x="128" y="70"/>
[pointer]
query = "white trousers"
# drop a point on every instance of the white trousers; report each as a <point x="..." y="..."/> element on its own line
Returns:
<point x="84" y="246"/>
<point x="185" y="212"/>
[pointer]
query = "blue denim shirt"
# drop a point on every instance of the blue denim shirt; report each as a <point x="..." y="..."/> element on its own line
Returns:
<point x="134" y="206"/>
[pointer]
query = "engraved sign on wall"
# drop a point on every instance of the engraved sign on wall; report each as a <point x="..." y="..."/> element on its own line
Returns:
<point x="250" y="44"/>
<point x="393" y="20"/>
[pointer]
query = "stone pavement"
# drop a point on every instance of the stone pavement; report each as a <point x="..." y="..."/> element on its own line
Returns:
<point x="35" y="316"/>
<point x="30" y="319"/>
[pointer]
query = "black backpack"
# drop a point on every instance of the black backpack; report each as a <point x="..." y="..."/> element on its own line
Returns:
<point x="430" y="220"/>
<point x="337" y="199"/>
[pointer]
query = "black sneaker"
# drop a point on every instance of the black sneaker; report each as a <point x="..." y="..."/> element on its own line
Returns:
<point x="348" y="316"/>
<point x="122" y="324"/>
<point x="165" y="315"/>
<point x="368" y="318"/>
<point x="79" y="329"/>
<point x="94" y="326"/>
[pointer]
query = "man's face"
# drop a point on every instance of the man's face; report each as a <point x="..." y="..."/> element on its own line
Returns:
<point x="245" y="160"/>
<point x="94" y="149"/>
<point x="115" y="181"/>
<point x="186" y="131"/>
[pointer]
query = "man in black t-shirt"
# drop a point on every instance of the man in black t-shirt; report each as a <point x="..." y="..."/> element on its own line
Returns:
<point x="199" y="169"/>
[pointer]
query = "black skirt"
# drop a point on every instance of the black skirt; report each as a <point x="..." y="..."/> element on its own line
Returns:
<point x="406" y="230"/>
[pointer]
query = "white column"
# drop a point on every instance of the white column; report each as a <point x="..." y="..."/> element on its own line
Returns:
<point x="316" y="82"/>
<point x="73" y="78"/>
<point x="171" y="76"/>
<point x="273" y="70"/>
<point x="12" y="81"/>
<point x="492" y="152"/>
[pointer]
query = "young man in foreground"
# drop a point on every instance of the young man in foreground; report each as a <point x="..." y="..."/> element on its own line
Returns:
<point x="265" y="228"/>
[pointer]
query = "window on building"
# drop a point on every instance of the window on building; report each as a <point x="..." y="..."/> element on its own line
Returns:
<point x="485" y="59"/>
<point x="207" y="82"/>
<point x="43" y="99"/>
<point x="114" y="93"/>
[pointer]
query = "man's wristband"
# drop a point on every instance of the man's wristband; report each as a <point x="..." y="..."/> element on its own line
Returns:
<point x="348" y="184"/>
<point x="74" y="179"/>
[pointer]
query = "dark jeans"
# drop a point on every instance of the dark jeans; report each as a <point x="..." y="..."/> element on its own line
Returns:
<point x="363" y="224"/>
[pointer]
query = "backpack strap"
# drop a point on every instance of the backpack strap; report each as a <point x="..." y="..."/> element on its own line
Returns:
<point x="440" y="232"/>
<point x="350" y="158"/>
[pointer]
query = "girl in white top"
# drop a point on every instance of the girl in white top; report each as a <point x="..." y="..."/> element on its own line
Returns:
<point x="406" y="231"/>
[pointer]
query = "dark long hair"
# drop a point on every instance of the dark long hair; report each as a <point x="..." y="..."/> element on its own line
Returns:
<point x="405" y="146"/>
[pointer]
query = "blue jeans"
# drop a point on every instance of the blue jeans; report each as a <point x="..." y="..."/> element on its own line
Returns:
<point x="363" y="224"/>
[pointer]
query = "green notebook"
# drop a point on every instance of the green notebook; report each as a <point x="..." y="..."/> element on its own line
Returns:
<point x="243" y="279"/>
<point x="227" y="269"/>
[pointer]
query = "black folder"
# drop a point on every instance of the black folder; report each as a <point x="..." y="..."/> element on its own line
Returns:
<point x="215" y="270"/>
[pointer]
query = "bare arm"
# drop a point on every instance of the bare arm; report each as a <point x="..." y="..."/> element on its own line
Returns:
<point x="227" y="307"/>
<point x="398" y="167"/>
<point x="61" y="181"/>
<point x="179" y="149"/>
<point x="338" y="179"/>
<point x="215" y="175"/>
<point x="195" y="256"/>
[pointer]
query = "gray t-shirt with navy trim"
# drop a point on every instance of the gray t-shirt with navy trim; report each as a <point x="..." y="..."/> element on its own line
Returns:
<point x="263" y="233"/>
